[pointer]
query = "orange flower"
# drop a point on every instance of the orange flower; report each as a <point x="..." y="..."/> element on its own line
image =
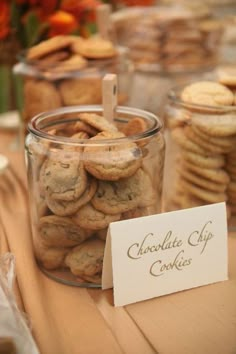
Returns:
<point x="62" y="23"/>
<point x="4" y="19"/>
<point x="79" y="8"/>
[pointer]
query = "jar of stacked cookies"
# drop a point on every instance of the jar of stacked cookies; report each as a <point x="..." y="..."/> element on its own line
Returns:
<point x="201" y="146"/>
<point x="84" y="173"/>
<point x="169" y="38"/>
<point x="169" y="45"/>
<point x="68" y="70"/>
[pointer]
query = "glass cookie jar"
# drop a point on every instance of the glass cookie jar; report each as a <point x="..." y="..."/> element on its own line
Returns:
<point x="200" y="165"/>
<point x="84" y="173"/>
<point x="51" y="85"/>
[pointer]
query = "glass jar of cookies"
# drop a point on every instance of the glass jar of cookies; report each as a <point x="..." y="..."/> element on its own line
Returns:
<point x="175" y="38"/>
<point x="200" y="133"/>
<point x="84" y="173"/>
<point x="68" y="70"/>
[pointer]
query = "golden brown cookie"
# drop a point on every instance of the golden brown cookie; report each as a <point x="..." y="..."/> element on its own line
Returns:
<point x="84" y="127"/>
<point x="59" y="231"/>
<point x="90" y="218"/>
<point x="86" y="260"/>
<point x="123" y="195"/>
<point x="207" y="93"/>
<point x="179" y="136"/>
<point x="52" y="59"/>
<point x="217" y="175"/>
<point x="80" y="136"/>
<point x="221" y="125"/>
<point x="112" y="161"/>
<point x="201" y="181"/>
<point x="205" y="145"/>
<point x="226" y="75"/>
<point x="40" y="96"/>
<point x="97" y="122"/>
<point x="227" y="142"/>
<point x="201" y="193"/>
<point x="206" y="161"/>
<point x="65" y="207"/>
<point x="95" y="48"/>
<point x="49" y="257"/>
<point x="63" y="177"/>
<point x="48" y="46"/>
<point x="135" y="126"/>
<point x="81" y="91"/>
<point x="74" y="62"/>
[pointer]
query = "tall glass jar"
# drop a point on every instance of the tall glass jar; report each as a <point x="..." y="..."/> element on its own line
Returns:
<point x="84" y="173"/>
<point x="48" y="86"/>
<point x="200" y="165"/>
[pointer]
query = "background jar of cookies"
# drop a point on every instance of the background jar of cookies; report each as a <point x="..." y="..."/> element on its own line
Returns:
<point x="84" y="173"/>
<point x="63" y="79"/>
<point x="200" y="136"/>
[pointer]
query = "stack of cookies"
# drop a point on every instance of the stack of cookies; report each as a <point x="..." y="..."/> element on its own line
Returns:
<point x="68" y="70"/>
<point x="170" y="38"/>
<point x="201" y="138"/>
<point x="95" y="177"/>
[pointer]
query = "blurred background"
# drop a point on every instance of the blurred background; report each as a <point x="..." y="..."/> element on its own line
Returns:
<point x="169" y="42"/>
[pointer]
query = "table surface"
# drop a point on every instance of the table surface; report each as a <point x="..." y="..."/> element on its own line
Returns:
<point x="73" y="320"/>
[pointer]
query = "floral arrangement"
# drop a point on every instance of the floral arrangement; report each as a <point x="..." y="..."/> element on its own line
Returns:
<point x="31" y="21"/>
<point x="34" y="20"/>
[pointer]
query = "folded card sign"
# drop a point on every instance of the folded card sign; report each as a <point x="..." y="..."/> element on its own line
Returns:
<point x="165" y="253"/>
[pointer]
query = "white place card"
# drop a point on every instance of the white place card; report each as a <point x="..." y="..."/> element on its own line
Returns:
<point x="165" y="253"/>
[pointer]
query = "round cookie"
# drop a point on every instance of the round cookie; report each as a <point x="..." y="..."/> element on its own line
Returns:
<point x="52" y="59"/>
<point x="81" y="91"/>
<point x="112" y="161"/>
<point x="98" y="122"/>
<point x="86" y="260"/>
<point x="120" y="196"/>
<point x="223" y="125"/>
<point x="201" y="193"/>
<point x="59" y="231"/>
<point x="80" y="136"/>
<point x="86" y="128"/>
<point x="50" y="257"/>
<point x="204" y="144"/>
<point x="65" y="208"/>
<point x="36" y="102"/>
<point x="135" y="126"/>
<point x="95" y="48"/>
<point x="75" y="62"/>
<point x="48" y="46"/>
<point x="202" y="182"/>
<point x="207" y="93"/>
<point x="205" y="161"/>
<point x="63" y="177"/>
<point x="226" y="143"/>
<point x="90" y="218"/>
<point x="215" y="175"/>
<point x="179" y="136"/>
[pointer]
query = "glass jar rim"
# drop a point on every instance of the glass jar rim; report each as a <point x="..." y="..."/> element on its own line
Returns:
<point x="33" y="125"/>
<point x="173" y="96"/>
